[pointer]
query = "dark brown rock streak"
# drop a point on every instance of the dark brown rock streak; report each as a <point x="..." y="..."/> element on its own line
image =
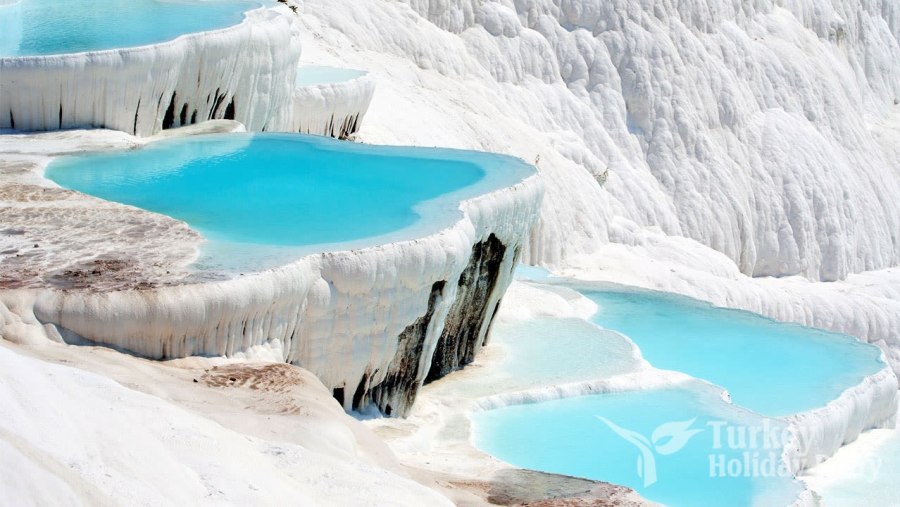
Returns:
<point x="471" y="314"/>
<point x="396" y="393"/>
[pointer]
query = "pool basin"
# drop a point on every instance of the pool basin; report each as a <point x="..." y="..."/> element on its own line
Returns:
<point x="264" y="199"/>
<point x="52" y="27"/>
<point x="772" y="368"/>
<point x="670" y="445"/>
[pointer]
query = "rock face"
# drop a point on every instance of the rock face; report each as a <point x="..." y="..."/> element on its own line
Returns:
<point x="396" y="393"/>
<point x="473" y="310"/>
<point x="244" y="73"/>
<point x="464" y="332"/>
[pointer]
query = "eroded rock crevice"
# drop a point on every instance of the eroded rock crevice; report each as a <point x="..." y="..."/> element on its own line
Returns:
<point x="471" y="314"/>
<point x="396" y="393"/>
<point x="344" y="130"/>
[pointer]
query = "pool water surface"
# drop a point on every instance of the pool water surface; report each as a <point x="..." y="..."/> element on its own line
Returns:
<point x="252" y="194"/>
<point x="772" y="368"/>
<point x="50" y="27"/>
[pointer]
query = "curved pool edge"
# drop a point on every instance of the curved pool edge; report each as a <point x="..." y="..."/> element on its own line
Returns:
<point x="645" y="378"/>
<point x="366" y="321"/>
<point x="820" y="432"/>
<point x="334" y="109"/>
<point x="215" y="73"/>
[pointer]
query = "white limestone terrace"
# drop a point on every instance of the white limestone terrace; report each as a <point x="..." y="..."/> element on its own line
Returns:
<point x="366" y="321"/>
<point x="243" y="72"/>
<point x="331" y="101"/>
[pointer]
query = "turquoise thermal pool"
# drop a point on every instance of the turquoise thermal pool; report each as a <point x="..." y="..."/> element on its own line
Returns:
<point x="49" y="27"/>
<point x="293" y="193"/>
<point x="769" y="368"/>
<point x="681" y="456"/>
<point x="311" y="75"/>
<point x="772" y="368"/>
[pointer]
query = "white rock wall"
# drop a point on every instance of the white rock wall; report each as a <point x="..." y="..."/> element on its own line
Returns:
<point x="245" y="73"/>
<point x="332" y="109"/>
<point x="819" y="433"/>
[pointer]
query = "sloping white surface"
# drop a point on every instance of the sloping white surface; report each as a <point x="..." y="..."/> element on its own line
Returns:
<point x="819" y="433"/>
<point x="77" y="438"/>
